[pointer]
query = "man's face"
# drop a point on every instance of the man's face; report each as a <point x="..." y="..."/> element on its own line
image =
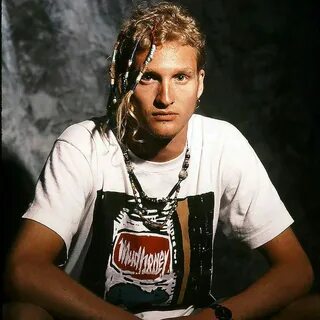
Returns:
<point x="167" y="94"/>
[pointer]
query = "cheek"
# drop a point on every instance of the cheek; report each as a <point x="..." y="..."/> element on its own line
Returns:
<point x="189" y="90"/>
<point x="143" y="96"/>
<point x="187" y="95"/>
<point x="141" y="103"/>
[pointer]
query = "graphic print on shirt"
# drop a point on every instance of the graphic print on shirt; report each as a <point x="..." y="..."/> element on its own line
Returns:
<point x="129" y="265"/>
<point x="141" y="256"/>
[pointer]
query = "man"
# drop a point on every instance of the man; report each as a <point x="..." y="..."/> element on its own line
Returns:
<point x="126" y="208"/>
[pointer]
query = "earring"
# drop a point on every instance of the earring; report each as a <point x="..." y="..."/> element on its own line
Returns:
<point x="198" y="104"/>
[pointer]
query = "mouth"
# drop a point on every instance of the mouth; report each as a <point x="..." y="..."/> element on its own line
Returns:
<point x="164" y="116"/>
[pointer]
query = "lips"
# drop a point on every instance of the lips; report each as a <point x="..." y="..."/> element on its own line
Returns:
<point x="164" y="116"/>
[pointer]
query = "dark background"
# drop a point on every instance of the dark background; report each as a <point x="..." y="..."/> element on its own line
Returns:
<point x="261" y="76"/>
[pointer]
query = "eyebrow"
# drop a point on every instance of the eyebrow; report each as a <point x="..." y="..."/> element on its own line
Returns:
<point x="175" y="70"/>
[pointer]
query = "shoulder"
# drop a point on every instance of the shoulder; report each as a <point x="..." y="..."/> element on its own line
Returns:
<point x="85" y="136"/>
<point x="211" y="130"/>
<point x="78" y="131"/>
<point x="212" y="124"/>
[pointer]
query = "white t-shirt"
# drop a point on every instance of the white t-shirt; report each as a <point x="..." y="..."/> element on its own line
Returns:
<point x="84" y="195"/>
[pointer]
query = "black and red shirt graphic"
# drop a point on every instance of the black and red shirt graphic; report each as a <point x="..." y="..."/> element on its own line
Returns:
<point x="142" y="256"/>
<point x="129" y="265"/>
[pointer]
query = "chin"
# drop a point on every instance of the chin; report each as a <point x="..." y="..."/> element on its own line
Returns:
<point x="163" y="135"/>
<point x="163" y="131"/>
<point x="160" y="134"/>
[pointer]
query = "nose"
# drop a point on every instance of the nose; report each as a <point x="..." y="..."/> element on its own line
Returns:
<point x="165" y="96"/>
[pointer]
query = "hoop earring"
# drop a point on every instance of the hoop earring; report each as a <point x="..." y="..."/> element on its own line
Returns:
<point x="198" y="104"/>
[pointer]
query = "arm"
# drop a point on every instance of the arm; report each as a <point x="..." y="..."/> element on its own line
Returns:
<point x="289" y="277"/>
<point x="253" y="212"/>
<point x="32" y="276"/>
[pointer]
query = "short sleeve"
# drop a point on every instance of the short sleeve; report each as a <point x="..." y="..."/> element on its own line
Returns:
<point x="62" y="190"/>
<point x="251" y="209"/>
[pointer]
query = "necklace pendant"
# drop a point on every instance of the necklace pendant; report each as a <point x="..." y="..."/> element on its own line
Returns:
<point x="183" y="174"/>
<point x="151" y="225"/>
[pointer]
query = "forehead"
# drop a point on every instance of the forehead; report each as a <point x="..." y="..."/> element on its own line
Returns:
<point x="170" y="55"/>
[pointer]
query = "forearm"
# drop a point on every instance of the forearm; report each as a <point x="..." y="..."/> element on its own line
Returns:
<point x="50" y="288"/>
<point x="273" y="291"/>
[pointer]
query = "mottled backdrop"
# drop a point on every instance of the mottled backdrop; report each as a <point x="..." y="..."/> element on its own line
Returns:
<point x="261" y="76"/>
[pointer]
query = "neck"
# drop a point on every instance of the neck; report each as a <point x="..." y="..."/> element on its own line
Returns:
<point x="159" y="149"/>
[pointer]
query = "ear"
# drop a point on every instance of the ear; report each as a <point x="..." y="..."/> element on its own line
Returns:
<point x="201" y="75"/>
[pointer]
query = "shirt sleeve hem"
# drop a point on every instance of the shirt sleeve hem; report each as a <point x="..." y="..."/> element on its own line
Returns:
<point x="53" y="223"/>
<point x="263" y="236"/>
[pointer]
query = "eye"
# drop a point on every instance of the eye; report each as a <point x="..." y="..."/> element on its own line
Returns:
<point x="181" y="77"/>
<point x="147" y="77"/>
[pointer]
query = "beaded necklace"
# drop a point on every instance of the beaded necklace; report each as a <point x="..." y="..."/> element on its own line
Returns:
<point x="164" y="207"/>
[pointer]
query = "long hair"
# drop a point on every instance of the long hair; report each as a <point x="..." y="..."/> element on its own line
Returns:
<point x="147" y="26"/>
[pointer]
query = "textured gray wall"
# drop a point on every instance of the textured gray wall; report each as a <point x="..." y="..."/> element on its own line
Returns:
<point x="261" y="77"/>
